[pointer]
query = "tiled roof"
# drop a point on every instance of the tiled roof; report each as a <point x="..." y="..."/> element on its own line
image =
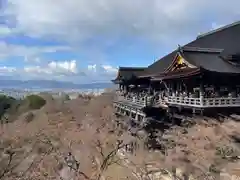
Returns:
<point x="127" y="73"/>
<point x="211" y="61"/>
<point x="226" y="38"/>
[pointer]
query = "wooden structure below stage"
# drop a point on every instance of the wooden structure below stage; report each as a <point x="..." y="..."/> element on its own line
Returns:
<point x="130" y="109"/>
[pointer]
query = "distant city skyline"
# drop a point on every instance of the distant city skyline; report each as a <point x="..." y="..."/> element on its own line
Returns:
<point x="50" y="84"/>
<point x="21" y="94"/>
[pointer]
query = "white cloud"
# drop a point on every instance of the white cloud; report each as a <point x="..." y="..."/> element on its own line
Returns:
<point x="32" y="59"/>
<point x="110" y="69"/>
<point x="65" y="66"/>
<point x="5" y="31"/>
<point x="8" y="50"/>
<point x="78" y="20"/>
<point x="102" y="69"/>
<point x="92" y="67"/>
<point x="62" y="70"/>
<point x="37" y="69"/>
<point x="100" y="73"/>
<point x="7" y="70"/>
<point x="54" y="68"/>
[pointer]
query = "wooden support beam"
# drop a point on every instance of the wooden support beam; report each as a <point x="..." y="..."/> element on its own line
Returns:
<point x="194" y="111"/>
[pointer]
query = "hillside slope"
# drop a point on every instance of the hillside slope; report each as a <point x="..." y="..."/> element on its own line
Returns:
<point x="78" y="139"/>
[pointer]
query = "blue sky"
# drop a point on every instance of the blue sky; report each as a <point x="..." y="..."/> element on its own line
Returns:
<point x="85" y="41"/>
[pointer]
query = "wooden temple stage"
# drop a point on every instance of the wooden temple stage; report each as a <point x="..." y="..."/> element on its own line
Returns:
<point x="203" y="75"/>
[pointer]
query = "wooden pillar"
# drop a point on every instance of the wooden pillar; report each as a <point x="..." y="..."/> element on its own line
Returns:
<point x="186" y="86"/>
<point x="201" y="93"/>
<point x="149" y="88"/>
<point x="169" y="88"/>
<point x="134" y="99"/>
<point x="122" y="87"/>
<point x="178" y="86"/>
<point x="194" y="111"/>
<point x="172" y="88"/>
<point x="136" y="117"/>
<point x="122" y="111"/>
<point x="145" y="101"/>
<point x="125" y="88"/>
<point x="125" y="112"/>
<point x="181" y="86"/>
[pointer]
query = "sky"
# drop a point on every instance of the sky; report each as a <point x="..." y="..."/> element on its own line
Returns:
<point x="84" y="41"/>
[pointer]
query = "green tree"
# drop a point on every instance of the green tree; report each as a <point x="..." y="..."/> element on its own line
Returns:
<point x="5" y="103"/>
<point x="35" y="101"/>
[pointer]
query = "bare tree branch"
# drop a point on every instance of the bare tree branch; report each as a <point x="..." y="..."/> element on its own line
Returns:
<point x="7" y="169"/>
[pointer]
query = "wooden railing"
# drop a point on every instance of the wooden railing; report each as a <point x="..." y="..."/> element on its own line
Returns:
<point x="186" y="101"/>
<point x="182" y="101"/>
<point x="143" y="101"/>
<point x="221" y="102"/>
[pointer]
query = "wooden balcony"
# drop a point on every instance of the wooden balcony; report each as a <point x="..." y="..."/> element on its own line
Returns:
<point x="204" y="102"/>
<point x="182" y="101"/>
<point x="143" y="102"/>
<point x="221" y="102"/>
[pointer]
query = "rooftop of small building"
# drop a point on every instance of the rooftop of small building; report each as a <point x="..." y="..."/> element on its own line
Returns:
<point x="128" y="73"/>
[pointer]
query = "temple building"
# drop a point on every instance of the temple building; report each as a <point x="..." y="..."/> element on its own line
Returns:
<point x="201" y="75"/>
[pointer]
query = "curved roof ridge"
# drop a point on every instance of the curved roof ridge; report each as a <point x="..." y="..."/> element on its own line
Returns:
<point x="200" y="49"/>
<point x="128" y="67"/>
<point x="218" y="29"/>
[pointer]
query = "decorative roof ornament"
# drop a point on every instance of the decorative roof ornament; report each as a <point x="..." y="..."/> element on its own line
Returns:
<point x="203" y="50"/>
<point x="180" y="49"/>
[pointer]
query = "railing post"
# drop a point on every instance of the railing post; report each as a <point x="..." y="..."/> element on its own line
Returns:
<point x="168" y="99"/>
<point x="201" y="100"/>
<point x="136" y="117"/>
<point x="145" y="101"/>
<point x="201" y="93"/>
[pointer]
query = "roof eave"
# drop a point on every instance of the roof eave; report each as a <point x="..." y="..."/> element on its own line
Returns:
<point x="176" y="75"/>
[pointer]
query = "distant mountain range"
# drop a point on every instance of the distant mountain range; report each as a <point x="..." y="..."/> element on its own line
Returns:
<point x="50" y="84"/>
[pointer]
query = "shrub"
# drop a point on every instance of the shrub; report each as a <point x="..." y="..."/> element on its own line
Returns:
<point x="35" y="101"/>
<point x="5" y="103"/>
